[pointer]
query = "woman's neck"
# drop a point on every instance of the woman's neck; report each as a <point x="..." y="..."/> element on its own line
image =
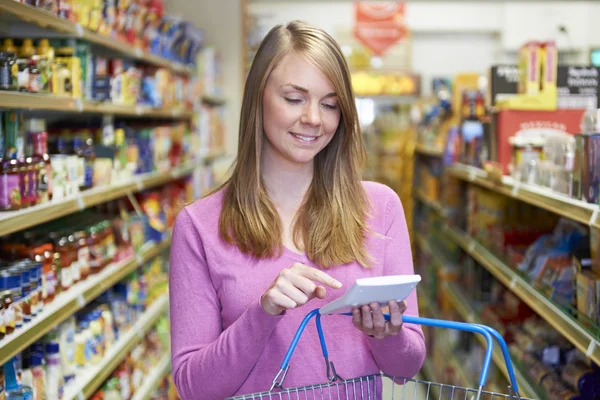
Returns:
<point x="286" y="182"/>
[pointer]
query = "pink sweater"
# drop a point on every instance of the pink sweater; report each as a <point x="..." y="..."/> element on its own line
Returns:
<point x="224" y="344"/>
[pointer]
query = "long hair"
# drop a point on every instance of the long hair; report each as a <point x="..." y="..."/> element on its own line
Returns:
<point x="331" y="223"/>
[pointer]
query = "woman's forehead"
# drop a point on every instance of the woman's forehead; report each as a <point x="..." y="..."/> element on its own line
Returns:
<point x="295" y="71"/>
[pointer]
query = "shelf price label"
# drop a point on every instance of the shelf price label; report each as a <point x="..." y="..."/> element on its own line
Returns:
<point x="80" y="202"/>
<point x="472" y="174"/>
<point x="515" y="189"/>
<point x="471" y="246"/>
<point x="79" y="29"/>
<point x="80" y="300"/>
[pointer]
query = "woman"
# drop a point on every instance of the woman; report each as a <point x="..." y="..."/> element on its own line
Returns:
<point x="288" y="232"/>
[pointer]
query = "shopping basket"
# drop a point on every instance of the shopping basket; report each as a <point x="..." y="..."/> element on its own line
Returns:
<point x="369" y="387"/>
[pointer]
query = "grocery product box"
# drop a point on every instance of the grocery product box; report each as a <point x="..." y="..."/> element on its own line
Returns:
<point x="586" y="168"/>
<point x="503" y="81"/>
<point x="509" y="123"/>
<point x="595" y="248"/>
<point x="578" y="87"/>
<point x="588" y="296"/>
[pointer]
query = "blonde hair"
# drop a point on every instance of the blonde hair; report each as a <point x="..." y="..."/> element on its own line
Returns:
<point x="331" y="223"/>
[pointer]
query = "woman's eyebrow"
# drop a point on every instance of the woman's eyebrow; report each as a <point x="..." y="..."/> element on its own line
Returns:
<point x="304" y="90"/>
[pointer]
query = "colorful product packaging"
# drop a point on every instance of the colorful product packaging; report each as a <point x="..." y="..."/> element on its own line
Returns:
<point x="587" y="297"/>
<point x="530" y="64"/>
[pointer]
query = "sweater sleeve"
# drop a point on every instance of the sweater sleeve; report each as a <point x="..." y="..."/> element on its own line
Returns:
<point x="401" y="355"/>
<point x="208" y="363"/>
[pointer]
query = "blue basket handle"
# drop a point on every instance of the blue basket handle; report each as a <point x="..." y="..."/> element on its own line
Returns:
<point x="488" y="333"/>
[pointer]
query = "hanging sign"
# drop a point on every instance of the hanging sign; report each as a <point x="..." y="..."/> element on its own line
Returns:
<point x="379" y="25"/>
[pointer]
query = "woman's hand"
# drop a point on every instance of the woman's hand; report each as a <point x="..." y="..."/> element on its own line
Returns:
<point x="294" y="287"/>
<point x="369" y="319"/>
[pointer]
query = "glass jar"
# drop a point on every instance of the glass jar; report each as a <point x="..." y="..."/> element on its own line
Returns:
<point x="11" y="280"/>
<point x="10" y="186"/>
<point x="36" y="84"/>
<point x="83" y="253"/>
<point x="9" y="312"/>
<point x="25" y="284"/>
<point x="8" y="71"/>
<point x="110" y="244"/>
<point x="63" y="258"/>
<point x="24" y="176"/>
<point x="75" y="267"/>
<point x="96" y="248"/>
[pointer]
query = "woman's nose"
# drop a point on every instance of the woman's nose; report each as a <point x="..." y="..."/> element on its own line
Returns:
<point x="311" y="115"/>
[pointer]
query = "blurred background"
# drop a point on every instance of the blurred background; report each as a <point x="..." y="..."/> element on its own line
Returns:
<point x="482" y="115"/>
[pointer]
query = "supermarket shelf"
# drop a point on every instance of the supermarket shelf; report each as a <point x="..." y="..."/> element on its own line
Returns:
<point x="69" y="302"/>
<point x="154" y="379"/>
<point x="14" y="221"/>
<point x="577" y="210"/>
<point x="569" y="327"/>
<point x="46" y="19"/>
<point x="48" y="102"/>
<point x="213" y="100"/>
<point x="429" y="150"/>
<point x="464" y="308"/>
<point x="89" y="380"/>
<point x="433" y="204"/>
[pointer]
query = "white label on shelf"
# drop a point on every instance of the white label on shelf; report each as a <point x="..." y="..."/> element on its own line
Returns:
<point x="79" y="29"/>
<point x="472" y="174"/>
<point x="176" y="112"/>
<point x="139" y="52"/>
<point x="594" y="216"/>
<point x="80" y="300"/>
<point x="80" y="202"/>
<point x="139" y="110"/>
<point x="515" y="189"/>
<point x="590" y="348"/>
<point x="471" y="246"/>
<point x="513" y="282"/>
<point x="139" y="183"/>
<point x="79" y="105"/>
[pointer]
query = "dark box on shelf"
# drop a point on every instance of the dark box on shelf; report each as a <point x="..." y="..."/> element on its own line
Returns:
<point x="502" y="81"/>
<point x="578" y="87"/>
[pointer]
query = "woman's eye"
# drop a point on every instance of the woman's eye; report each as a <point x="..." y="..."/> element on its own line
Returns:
<point x="330" y="106"/>
<point x="292" y="101"/>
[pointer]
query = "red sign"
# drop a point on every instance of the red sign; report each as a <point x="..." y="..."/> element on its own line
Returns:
<point x="379" y="25"/>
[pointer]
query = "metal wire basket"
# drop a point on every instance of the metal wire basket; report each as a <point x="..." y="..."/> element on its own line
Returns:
<point x="370" y="387"/>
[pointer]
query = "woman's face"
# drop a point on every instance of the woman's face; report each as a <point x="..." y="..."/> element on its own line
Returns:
<point x="300" y="111"/>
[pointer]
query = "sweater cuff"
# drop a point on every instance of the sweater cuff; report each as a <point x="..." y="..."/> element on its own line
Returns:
<point x="383" y="344"/>
<point x="256" y="312"/>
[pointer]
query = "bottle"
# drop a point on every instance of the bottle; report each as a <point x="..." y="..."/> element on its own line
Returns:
<point x="54" y="378"/>
<point x="12" y="389"/>
<point x="96" y="338"/>
<point x="37" y="142"/>
<point x="67" y="346"/>
<point x="26" y="373"/>
<point x="109" y="328"/>
<point x="44" y="49"/>
<point x="39" y="376"/>
<point x="27" y="50"/>
<point x="9" y="46"/>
